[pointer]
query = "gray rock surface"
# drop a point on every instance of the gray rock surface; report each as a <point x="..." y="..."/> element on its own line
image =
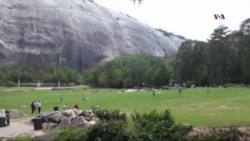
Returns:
<point x="74" y="33"/>
<point x="2" y="113"/>
<point x="14" y="113"/>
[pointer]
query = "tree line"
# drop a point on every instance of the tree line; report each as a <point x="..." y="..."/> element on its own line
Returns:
<point x="38" y="72"/>
<point x="224" y="58"/>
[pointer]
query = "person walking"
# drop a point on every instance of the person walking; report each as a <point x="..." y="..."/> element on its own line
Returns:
<point x="39" y="105"/>
<point x="7" y="114"/>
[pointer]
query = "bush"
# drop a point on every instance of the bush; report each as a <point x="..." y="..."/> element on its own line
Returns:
<point x="156" y="126"/>
<point x="24" y="138"/>
<point x="152" y="126"/>
<point x="110" y="115"/>
<point x="108" y="131"/>
<point x="189" y="84"/>
<point x="10" y="84"/>
<point x="231" y="134"/>
<point x="72" y="134"/>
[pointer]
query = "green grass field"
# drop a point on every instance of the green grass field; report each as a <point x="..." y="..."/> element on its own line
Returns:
<point x="221" y="107"/>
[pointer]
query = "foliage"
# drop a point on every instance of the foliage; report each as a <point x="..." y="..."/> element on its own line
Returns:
<point x="24" y="138"/>
<point x="10" y="84"/>
<point x="72" y="134"/>
<point x="152" y="126"/>
<point x="130" y="71"/>
<point x="231" y="134"/>
<point x="43" y="72"/>
<point x="156" y="126"/>
<point x="223" y="59"/>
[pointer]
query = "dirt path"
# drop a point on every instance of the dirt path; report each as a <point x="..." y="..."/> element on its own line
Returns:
<point x="17" y="128"/>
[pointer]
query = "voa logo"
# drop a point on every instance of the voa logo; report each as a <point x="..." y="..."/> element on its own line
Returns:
<point x="219" y="16"/>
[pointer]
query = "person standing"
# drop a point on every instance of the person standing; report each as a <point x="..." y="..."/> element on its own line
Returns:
<point x="7" y="113"/>
<point x="32" y="107"/>
<point x="35" y="106"/>
<point x="39" y="105"/>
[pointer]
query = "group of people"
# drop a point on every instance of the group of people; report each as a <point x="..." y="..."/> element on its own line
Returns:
<point x="36" y="106"/>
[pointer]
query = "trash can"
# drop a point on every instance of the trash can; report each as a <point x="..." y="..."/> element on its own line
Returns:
<point x="2" y="121"/>
<point x="56" y="108"/>
<point x="38" y="123"/>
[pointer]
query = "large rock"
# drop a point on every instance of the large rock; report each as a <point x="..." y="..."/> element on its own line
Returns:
<point x="48" y="116"/>
<point x="74" y="33"/>
<point x="56" y="118"/>
<point x="2" y="113"/>
<point x="65" y="122"/>
<point x="78" y="121"/>
<point x="14" y="113"/>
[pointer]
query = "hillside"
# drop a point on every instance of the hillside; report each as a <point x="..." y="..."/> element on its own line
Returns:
<point x="74" y="33"/>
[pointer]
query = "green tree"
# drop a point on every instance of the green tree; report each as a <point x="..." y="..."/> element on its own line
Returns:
<point x="245" y="50"/>
<point x="118" y="77"/>
<point x="161" y="76"/>
<point x="149" y="77"/>
<point x="103" y="79"/>
<point x="217" y="54"/>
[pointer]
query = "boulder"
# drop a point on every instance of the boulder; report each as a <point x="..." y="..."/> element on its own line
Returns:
<point x="77" y="121"/>
<point x="56" y="118"/>
<point x="2" y="112"/>
<point x="68" y="113"/>
<point x="14" y="113"/>
<point x="77" y="111"/>
<point x="49" y="126"/>
<point x="46" y="116"/>
<point x="65" y="122"/>
<point x="86" y="113"/>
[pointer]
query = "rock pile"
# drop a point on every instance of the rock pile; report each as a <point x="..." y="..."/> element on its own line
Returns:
<point x="68" y="118"/>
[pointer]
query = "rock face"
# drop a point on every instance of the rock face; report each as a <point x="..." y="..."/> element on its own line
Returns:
<point x="74" y="33"/>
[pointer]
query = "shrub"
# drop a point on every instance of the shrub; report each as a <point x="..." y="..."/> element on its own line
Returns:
<point x="189" y="84"/>
<point x="156" y="126"/>
<point x="108" y="131"/>
<point x="72" y="134"/>
<point x="24" y="138"/>
<point x="231" y="134"/>
<point x="10" y="84"/>
<point x="152" y="126"/>
<point x="110" y="115"/>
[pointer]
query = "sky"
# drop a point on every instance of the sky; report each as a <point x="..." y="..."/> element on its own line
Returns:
<point x="193" y="19"/>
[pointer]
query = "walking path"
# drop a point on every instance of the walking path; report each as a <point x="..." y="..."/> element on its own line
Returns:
<point x="19" y="127"/>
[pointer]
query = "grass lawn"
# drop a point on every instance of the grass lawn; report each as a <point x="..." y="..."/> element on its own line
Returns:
<point x="221" y="107"/>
